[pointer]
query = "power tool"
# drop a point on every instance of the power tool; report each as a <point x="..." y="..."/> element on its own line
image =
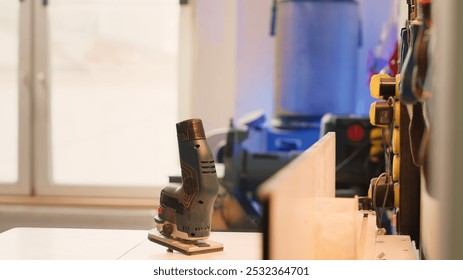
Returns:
<point x="183" y="222"/>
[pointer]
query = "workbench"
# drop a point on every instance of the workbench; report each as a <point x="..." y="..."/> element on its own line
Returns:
<point x="105" y="244"/>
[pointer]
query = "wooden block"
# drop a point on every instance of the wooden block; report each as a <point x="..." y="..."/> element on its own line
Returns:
<point x="292" y="195"/>
<point x="366" y="235"/>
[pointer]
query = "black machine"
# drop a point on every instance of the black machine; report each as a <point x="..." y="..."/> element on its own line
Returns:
<point x="358" y="158"/>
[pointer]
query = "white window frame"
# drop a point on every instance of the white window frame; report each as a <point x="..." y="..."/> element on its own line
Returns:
<point x="23" y="184"/>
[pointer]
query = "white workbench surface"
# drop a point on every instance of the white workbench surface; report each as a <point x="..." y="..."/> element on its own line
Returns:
<point x="104" y="244"/>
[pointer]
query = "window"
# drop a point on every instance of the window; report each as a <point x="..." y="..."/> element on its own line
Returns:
<point x="14" y="96"/>
<point x="100" y="101"/>
<point x="9" y="14"/>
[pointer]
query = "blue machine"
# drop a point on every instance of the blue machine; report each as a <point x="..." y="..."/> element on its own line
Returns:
<point x="315" y="72"/>
<point x="262" y="138"/>
<point x="317" y="45"/>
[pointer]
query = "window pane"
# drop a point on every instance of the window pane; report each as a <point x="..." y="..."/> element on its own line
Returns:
<point x="114" y="91"/>
<point x="9" y="19"/>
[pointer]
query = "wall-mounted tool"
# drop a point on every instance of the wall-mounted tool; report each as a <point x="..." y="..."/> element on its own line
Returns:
<point x="405" y="133"/>
<point x="406" y="74"/>
<point x="184" y="216"/>
<point x="384" y="194"/>
<point x="419" y="126"/>
<point x="383" y="115"/>
<point x="422" y="60"/>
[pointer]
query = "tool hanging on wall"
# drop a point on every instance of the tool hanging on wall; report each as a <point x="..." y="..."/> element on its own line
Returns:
<point x="402" y="117"/>
<point x="421" y="82"/>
